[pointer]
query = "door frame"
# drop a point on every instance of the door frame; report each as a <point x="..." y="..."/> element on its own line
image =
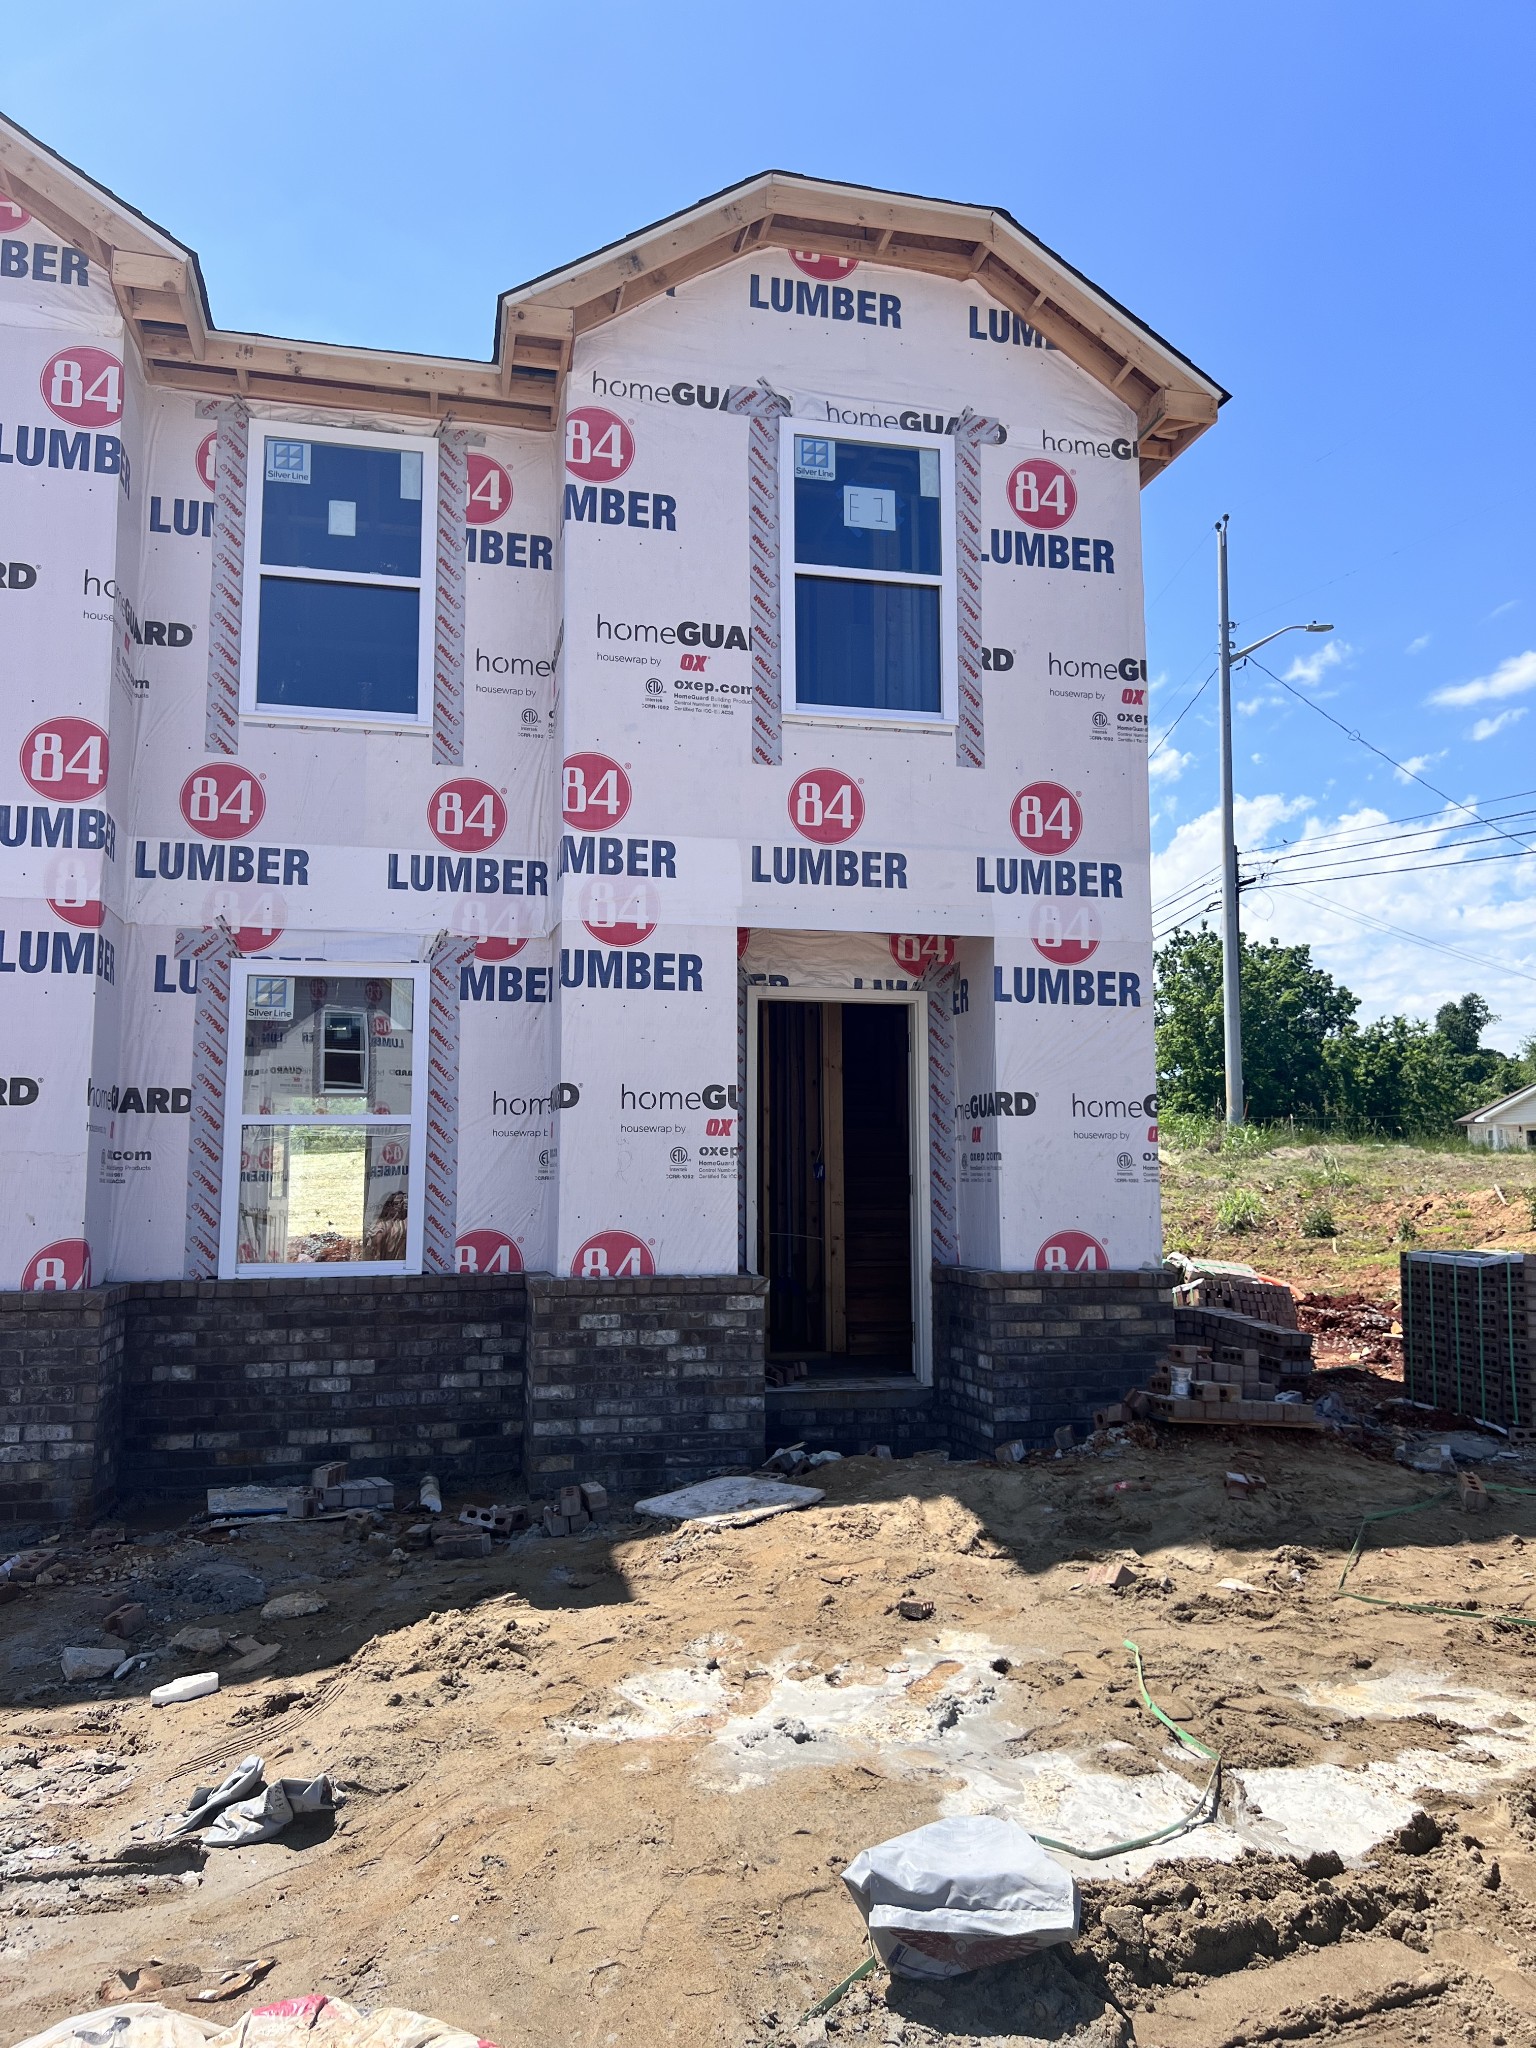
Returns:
<point x="916" y="1001"/>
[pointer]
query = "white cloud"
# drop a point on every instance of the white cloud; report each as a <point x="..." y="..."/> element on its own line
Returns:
<point x="1511" y="678"/>
<point x="1485" y="728"/>
<point x="1310" y="668"/>
<point x="1248" y="705"/>
<point x="1167" y="765"/>
<point x="1417" y="646"/>
<point x="1500" y="609"/>
<point x="1415" y="765"/>
<point x="1487" y="910"/>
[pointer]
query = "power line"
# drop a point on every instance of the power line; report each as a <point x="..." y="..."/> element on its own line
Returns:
<point x="1353" y="733"/>
<point x="1423" y="867"/>
<point x="1417" y="939"/>
<point x="1172" y="729"/>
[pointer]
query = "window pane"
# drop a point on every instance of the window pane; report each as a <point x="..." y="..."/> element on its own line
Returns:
<point x="328" y="1046"/>
<point x="316" y="1195"/>
<point x="867" y="646"/>
<point x="862" y="505"/>
<point x="338" y="647"/>
<point x="327" y="506"/>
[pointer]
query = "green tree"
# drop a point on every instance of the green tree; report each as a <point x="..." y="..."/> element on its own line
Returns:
<point x="1461" y="1024"/>
<point x="1396" y="1076"/>
<point x="1291" y="1012"/>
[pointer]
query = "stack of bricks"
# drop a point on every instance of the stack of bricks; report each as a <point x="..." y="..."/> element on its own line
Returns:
<point x="1286" y="1354"/>
<point x="575" y="1509"/>
<point x="646" y="1384"/>
<point x="1469" y="1335"/>
<point x="1227" y="1388"/>
<point x="1018" y="1355"/>
<point x="1262" y="1301"/>
<point x="61" y="1383"/>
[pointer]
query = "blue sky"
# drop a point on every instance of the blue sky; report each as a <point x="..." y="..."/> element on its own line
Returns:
<point x="1328" y="207"/>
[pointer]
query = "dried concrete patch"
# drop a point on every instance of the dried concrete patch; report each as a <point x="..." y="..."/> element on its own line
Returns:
<point x="961" y="1708"/>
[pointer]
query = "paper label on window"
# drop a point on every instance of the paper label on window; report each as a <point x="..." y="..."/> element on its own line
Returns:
<point x="271" y="996"/>
<point x="815" y="460"/>
<point x="869" y="508"/>
<point x="287" y="462"/>
<point x="410" y="473"/>
<point x="343" y="518"/>
<point x="928" y="472"/>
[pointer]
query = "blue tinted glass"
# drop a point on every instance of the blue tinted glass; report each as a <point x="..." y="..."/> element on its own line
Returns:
<point x="867" y="646"/>
<point x="338" y="647"/>
<point x="326" y="506"/>
<point x="861" y="505"/>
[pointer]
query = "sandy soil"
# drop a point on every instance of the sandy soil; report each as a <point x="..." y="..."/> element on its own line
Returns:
<point x="599" y="1791"/>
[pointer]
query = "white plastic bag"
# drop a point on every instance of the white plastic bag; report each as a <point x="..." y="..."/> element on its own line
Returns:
<point x="960" y="1894"/>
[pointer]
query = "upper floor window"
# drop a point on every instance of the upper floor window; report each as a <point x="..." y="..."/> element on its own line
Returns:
<point x="340" y="553"/>
<point x="867" y="616"/>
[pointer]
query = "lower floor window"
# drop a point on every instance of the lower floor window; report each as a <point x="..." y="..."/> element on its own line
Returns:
<point x="324" y="1139"/>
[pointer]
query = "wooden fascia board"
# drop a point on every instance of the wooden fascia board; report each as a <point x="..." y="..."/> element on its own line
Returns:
<point x="72" y="205"/>
<point x="212" y="380"/>
<point x="312" y="376"/>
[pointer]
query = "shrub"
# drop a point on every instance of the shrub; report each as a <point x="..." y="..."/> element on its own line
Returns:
<point x="1240" y="1209"/>
<point x="1407" y="1230"/>
<point x="1317" y="1221"/>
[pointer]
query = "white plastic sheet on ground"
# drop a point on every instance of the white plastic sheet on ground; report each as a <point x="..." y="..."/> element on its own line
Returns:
<point x="960" y="1894"/>
<point x="311" y="2022"/>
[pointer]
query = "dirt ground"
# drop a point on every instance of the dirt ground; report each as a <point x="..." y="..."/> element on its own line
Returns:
<point x="1376" y="1199"/>
<point x="599" y="1791"/>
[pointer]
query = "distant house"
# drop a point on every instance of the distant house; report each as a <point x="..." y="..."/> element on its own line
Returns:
<point x="1505" y="1126"/>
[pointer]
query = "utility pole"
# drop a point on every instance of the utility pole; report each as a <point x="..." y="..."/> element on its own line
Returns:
<point x="1231" y="1011"/>
<point x="1231" y="942"/>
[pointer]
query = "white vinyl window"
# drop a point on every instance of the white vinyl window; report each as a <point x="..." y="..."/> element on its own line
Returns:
<point x="340" y="575"/>
<point x="867" y="614"/>
<point x="325" y="1125"/>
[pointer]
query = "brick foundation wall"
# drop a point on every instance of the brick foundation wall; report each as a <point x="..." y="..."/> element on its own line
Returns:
<point x="61" y="1393"/>
<point x="643" y="1384"/>
<point x="851" y="1419"/>
<point x="1019" y="1354"/>
<point x="257" y="1380"/>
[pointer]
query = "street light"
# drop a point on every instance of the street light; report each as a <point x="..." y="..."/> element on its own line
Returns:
<point x="1228" y="656"/>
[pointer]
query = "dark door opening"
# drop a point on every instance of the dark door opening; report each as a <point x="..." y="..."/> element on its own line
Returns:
<point x="835" y="1184"/>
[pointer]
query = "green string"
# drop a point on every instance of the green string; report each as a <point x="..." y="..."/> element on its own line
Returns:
<point x="1422" y="1606"/>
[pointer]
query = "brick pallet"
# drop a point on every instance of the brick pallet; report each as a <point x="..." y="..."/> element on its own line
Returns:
<point x="1469" y="1334"/>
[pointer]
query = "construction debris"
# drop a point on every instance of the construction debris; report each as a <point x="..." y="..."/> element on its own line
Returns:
<point x="81" y="1665"/>
<point x="744" y="1499"/>
<point x="495" y="1521"/>
<point x="293" y="1606"/>
<point x="1221" y="1384"/>
<point x="431" y="1494"/>
<point x="195" y="1686"/>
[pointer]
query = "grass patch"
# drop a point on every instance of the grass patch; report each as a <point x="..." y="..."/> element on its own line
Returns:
<point x="1269" y="1187"/>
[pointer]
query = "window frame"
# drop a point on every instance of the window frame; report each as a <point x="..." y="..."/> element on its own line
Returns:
<point x="426" y="584"/>
<point x="947" y="716"/>
<point x="236" y="1118"/>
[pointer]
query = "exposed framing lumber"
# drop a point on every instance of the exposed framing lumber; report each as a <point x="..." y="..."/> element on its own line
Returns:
<point x="159" y="291"/>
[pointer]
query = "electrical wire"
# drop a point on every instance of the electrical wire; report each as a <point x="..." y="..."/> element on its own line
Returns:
<point x="1353" y="733"/>
<point x="1172" y="729"/>
<point x="1362" y="917"/>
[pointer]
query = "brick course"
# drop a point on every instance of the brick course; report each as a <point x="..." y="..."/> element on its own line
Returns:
<point x="643" y="1384"/>
<point x="61" y="1404"/>
<point x="1020" y="1354"/>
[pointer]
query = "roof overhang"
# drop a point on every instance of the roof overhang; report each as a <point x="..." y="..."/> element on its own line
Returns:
<point x="159" y="289"/>
<point x="1172" y="399"/>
